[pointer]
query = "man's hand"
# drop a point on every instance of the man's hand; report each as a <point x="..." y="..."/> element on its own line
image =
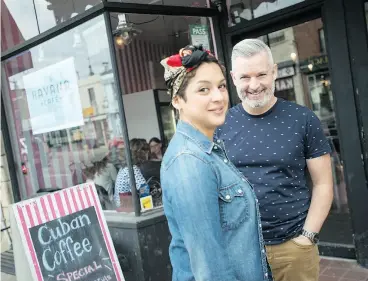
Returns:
<point x="302" y="240"/>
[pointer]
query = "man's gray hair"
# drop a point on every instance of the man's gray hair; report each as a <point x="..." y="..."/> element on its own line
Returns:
<point x="248" y="48"/>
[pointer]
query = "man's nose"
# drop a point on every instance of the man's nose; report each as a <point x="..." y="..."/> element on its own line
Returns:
<point x="253" y="84"/>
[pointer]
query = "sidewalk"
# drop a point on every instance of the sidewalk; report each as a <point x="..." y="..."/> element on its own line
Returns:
<point x="331" y="270"/>
<point x="341" y="270"/>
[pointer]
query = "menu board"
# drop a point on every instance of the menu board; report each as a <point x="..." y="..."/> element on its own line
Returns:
<point x="66" y="238"/>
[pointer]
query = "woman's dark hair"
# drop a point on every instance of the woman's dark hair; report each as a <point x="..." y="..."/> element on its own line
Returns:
<point x="191" y="74"/>
<point x="154" y="139"/>
<point x="140" y="150"/>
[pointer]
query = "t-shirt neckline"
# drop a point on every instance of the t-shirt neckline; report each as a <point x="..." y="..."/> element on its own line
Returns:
<point x="259" y="115"/>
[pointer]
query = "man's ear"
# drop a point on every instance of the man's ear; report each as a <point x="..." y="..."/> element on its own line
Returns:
<point x="275" y="71"/>
<point x="233" y="77"/>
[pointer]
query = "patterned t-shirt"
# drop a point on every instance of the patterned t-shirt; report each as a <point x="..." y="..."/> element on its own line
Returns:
<point x="122" y="184"/>
<point x="271" y="151"/>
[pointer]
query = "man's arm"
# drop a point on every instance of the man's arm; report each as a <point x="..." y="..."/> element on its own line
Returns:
<point x="320" y="171"/>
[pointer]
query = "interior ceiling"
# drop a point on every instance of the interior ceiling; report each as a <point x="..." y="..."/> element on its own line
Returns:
<point x="160" y="29"/>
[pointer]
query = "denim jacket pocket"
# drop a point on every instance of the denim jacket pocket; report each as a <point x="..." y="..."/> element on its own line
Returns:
<point x="234" y="206"/>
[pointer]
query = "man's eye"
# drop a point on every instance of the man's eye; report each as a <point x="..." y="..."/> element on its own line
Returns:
<point x="222" y="87"/>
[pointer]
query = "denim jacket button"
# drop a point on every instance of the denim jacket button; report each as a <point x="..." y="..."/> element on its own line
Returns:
<point x="240" y="191"/>
<point x="227" y="197"/>
<point x="225" y="160"/>
<point x="218" y="141"/>
<point x="215" y="147"/>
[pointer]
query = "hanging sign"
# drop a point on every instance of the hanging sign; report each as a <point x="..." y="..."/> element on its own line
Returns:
<point x="199" y="35"/>
<point x="65" y="237"/>
<point x="53" y="97"/>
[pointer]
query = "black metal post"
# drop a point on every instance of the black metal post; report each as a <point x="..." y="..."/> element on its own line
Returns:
<point x="137" y="207"/>
<point x="348" y="122"/>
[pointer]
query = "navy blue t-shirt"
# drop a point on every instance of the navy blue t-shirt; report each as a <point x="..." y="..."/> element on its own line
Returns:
<point x="271" y="151"/>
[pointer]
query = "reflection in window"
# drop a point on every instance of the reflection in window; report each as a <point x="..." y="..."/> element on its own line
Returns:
<point x="185" y="3"/>
<point x="18" y="22"/>
<point x="150" y="117"/>
<point x="63" y="104"/>
<point x="245" y="10"/>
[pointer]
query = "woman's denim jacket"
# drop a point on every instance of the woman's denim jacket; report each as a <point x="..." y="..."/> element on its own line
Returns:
<point x="212" y="213"/>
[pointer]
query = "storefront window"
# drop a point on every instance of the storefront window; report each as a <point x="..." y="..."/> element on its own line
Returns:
<point x="61" y="100"/>
<point x="18" y="22"/>
<point x="185" y="3"/>
<point x="53" y="12"/>
<point x="23" y="19"/>
<point x="150" y="117"/>
<point x="245" y="10"/>
<point x="304" y="78"/>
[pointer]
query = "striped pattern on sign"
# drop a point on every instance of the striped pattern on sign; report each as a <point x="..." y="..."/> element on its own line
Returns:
<point x="56" y="205"/>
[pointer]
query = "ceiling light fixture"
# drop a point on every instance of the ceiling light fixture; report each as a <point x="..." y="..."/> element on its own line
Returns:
<point x="125" y="31"/>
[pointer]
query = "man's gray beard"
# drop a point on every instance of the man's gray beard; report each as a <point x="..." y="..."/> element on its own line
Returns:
<point x="257" y="103"/>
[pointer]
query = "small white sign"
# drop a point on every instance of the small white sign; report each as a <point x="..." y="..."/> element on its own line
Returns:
<point x="53" y="97"/>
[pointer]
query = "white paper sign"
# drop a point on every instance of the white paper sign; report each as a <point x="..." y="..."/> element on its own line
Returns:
<point x="53" y="98"/>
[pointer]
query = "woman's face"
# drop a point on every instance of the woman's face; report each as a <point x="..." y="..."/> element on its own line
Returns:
<point x="155" y="147"/>
<point x="206" y="99"/>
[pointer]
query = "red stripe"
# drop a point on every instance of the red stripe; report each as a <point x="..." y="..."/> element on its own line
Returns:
<point x="59" y="204"/>
<point x="51" y="204"/>
<point x="86" y="194"/>
<point x="74" y="198"/>
<point x="29" y="214"/>
<point x="61" y="171"/>
<point x="79" y="194"/>
<point x="109" y="248"/>
<point x="30" y="245"/>
<point x="37" y="211"/>
<point x="43" y="204"/>
<point x="68" y="199"/>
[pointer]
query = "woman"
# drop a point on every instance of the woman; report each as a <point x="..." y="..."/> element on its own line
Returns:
<point x="156" y="149"/>
<point x="140" y="152"/>
<point x="211" y="208"/>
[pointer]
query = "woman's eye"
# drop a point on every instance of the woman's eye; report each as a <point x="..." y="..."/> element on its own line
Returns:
<point x="223" y="87"/>
<point x="204" y="90"/>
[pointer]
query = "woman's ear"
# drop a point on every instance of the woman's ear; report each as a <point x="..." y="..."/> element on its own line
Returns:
<point x="175" y="103"/>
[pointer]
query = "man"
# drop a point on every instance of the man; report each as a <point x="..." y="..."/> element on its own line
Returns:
<point x="272" y="142"/>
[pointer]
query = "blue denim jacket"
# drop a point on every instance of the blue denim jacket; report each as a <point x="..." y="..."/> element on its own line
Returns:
<point x="212" y="213"/>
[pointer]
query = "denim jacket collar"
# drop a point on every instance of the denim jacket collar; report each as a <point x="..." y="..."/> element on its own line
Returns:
<point x="196" y="136"/>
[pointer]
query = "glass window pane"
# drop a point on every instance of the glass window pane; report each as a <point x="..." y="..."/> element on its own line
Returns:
<point x="63" y="104"/>
<point x="304" y="78"/>
<point x="52" y="12"/>
<point x="18" y="22"/>
<point x="186" y="3"/>
<point x="245" y="10"/>
<point x="147" y="106"/>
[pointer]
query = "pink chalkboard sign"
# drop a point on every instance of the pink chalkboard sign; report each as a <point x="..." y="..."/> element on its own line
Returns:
<point x="66" y="238"/>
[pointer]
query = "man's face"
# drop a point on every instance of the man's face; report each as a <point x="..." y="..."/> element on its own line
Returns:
<point x="254" y="79"/>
